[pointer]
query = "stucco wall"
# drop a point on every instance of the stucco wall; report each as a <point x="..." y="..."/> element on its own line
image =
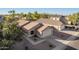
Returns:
<point x="42" y="46"/>
<point x="47" y="32"/>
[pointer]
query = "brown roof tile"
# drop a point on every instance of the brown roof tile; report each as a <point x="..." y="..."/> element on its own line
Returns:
<point x="22" y="22"/>
<point x="50" y="22"/>
<point x="30" y="25"/>
<point x="42" y="28"/>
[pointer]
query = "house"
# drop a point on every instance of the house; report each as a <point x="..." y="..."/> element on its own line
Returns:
<point x="34" y="28"/>
<point x="64" y="20"/>
<point x="61" y="18"/>
<point x="39" y="34"/>
<point x="55" y="17"/>
<point x="35" y="31"/>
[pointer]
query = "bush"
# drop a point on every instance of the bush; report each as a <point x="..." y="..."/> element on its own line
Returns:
<point x="6" y="43"/>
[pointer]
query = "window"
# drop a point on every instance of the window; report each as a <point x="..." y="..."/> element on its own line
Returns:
<point x="66" y="27"/>
<point x="32" y="32"/>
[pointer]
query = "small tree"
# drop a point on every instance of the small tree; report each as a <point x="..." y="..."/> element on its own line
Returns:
<point x="36" y="15"/>
<point x="29" y="16"/>
<point x="74" y="18"/>
<point x="6" y="44"/>
<point x="12" y="15"/>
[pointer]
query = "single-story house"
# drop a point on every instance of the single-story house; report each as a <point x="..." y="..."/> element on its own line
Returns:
<point x="35" y="30"/>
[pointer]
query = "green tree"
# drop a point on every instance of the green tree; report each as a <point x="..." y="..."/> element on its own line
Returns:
<point x="10" y="30"/>
<point x="74" y="18"/>
<point x="29" y="16"/>
<point x="6" y="43"/>
<point x="36" y="15"/>
<point x="12" y="14"/>
<point x="44" y="15"/>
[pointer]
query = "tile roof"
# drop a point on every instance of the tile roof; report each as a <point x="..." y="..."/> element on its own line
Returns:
<point x="42" y="28"/>
<point x="30" y="25"/>
<point x="57" y="15"/>
<point x="22" y="22"/>
<point x="45" y="22"/>
<point x="50" y="22"/>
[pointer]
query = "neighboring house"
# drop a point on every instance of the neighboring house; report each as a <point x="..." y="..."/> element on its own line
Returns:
<point x="64" y="20"/>
<point x="55" y="17"/>
<point x="68" y="21"/>
<point x="61" y="18"/>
